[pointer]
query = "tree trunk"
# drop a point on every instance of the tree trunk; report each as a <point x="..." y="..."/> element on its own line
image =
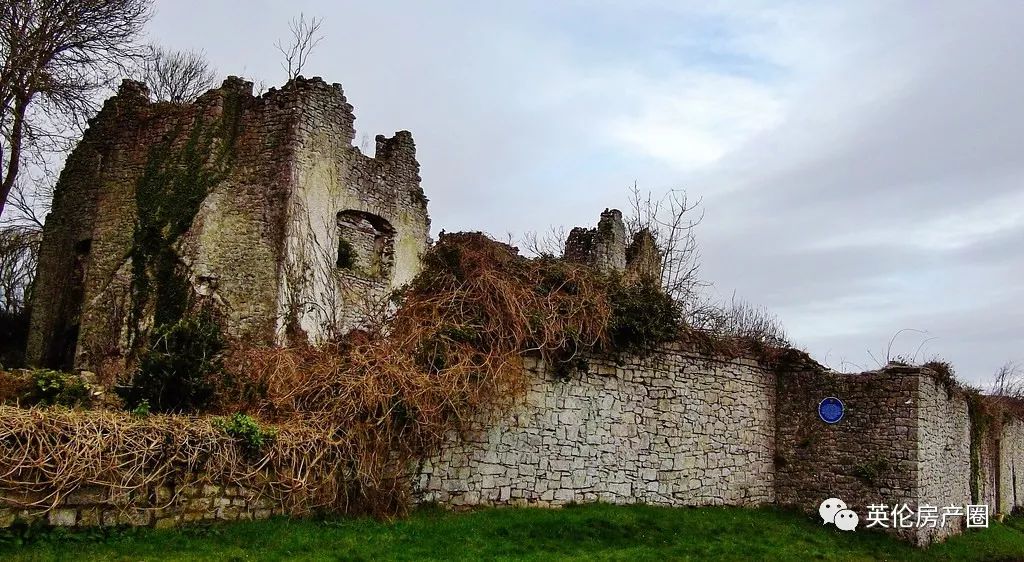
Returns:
<point x="14" y="158"/>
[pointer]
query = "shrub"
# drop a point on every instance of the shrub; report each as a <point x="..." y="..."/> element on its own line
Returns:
<point x="246" y="430"/>
<point x="179" y="371"/>
<point x="944" y="370"/>
<point x="871" y="470"/>
<point x="642" y="316"/>
<point x="740" y="320"/>
<point x="142" y="409"/>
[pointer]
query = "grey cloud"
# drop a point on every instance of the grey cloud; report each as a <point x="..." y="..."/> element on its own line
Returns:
<point x="896" y="115"/>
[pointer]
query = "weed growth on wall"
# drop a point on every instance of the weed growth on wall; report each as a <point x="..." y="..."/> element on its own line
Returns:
<point x="247" y="431"/>
<point x="643" y="316"/>
<point x="58" y="388"/>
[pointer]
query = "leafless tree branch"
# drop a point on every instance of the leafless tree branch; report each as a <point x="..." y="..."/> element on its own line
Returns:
<point x="738" y="318"/>
<point x="548" y="244"/>
<point x="305" y="36"/>
<point x="1008" y="382"/>
<point x="176" y="76"/>
<point x="55" y="55"/>
<point x="19" y="253"/>
<point x="672" y="221"/>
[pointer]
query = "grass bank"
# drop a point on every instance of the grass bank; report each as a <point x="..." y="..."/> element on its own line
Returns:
<point x="602" y="532"/>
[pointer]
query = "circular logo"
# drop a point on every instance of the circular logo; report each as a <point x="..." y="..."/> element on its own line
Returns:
<point x="830" y="410"/>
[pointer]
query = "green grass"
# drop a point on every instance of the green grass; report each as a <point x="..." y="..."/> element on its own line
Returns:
<point x="600" y="532"/>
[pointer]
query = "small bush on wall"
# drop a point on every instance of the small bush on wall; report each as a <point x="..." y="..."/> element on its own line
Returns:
<point x="43" y="387"/>
<point x="643" y="316"/>
<point x="247" y="431"/>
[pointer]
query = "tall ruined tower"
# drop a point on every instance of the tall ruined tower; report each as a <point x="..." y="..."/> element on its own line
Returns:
<point x="260" y="207"/>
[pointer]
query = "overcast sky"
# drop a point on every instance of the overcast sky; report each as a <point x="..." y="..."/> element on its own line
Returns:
<point x="860" y="163"/>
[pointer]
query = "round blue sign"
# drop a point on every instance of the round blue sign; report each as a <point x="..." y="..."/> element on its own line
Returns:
<point x="830" y="410"/>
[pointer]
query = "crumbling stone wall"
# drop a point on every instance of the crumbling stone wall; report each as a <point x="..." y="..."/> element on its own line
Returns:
<point x="608" y="248"/>
<point x="340" y="195"/>
<point x="603" y="247"/>
<point x="904" y="439"/>
<point x="231" y="200"/>
<point x="675" y="428"/>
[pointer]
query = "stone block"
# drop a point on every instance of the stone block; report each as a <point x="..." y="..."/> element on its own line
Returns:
<point x="166" y="522"/>
<point x="90" y="517"/>
<point x="86" y="495"/>
<point x="63" y="517"/>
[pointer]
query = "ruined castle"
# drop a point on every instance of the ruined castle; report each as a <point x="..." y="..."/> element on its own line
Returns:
<point x="262" y="208"/>
<point x="260" y="205"/>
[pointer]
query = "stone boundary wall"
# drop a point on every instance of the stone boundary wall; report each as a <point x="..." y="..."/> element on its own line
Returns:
<point x="675" y="428"/>
<point x="904" y="439"/>
<point x="160" y="506"/>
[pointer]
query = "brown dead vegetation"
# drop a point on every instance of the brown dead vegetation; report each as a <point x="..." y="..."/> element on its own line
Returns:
<point x="352" y="416"/>
<point x="47" y="454"/>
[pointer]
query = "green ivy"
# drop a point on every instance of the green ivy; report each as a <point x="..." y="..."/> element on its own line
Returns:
<point x="981" y="420"/>
<point x="643" y="316"/>
<point x="56" y="388"/>
<point x="247" y="431"/>
<point x="168" y="196"/>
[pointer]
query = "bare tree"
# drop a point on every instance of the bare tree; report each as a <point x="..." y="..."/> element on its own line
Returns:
<point x="30" y="202"/>
<point x="740" y="319"/>
<point x="176" y="76"/>
<point x="1009" y="382"/>
<point x="671" y="221"/>
<point x="54" y="57"/>
<point x="19" y="252"/>
<point x="548" y="244"/>
<point x="305" y="36"/>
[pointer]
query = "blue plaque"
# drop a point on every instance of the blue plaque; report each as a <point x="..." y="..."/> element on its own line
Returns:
<point x="831" y="409"/>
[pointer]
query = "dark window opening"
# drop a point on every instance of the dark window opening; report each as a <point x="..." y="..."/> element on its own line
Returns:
<point x="365" y="244"/>
<point x="346" y="254"/>
<point x="83" y="247"/>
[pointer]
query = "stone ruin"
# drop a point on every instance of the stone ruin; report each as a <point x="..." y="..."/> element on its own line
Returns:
<point x="261" y="208"/>
<point x="608" y="247"/>
<point x="258" y="205"/>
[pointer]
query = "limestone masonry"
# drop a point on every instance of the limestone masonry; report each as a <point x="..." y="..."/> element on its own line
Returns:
<point x="263" y="208"/>
<point x="675" y="428"/>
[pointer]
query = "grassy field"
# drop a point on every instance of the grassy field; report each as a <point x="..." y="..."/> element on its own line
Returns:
<point x="590" y="532"/>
